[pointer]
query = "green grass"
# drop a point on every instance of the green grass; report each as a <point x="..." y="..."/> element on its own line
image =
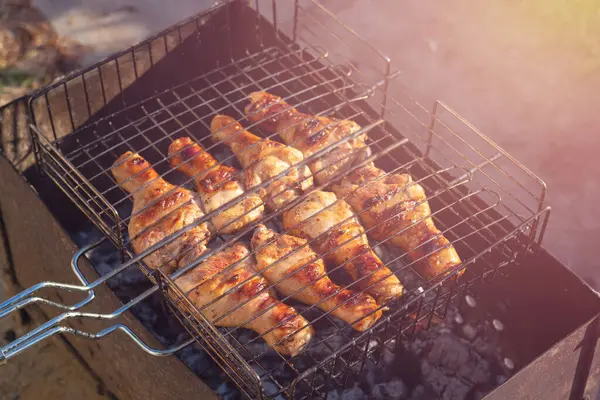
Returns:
<point x="15" y="78"/>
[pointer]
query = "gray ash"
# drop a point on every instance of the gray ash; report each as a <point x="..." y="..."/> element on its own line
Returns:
<point x="440" y="363"/>
<point x="459" y="358"/>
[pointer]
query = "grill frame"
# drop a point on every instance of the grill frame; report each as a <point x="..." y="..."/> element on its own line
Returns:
<point x="535" y="235"/>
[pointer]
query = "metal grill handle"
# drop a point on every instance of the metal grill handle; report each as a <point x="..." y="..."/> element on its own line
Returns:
<point x="11" y="350"/>
<point x="52" y="327"/>
<point x="22" y="299"/>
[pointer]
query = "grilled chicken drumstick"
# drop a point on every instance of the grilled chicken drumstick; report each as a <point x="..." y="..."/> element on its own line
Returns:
<point x="281" y="326"/>
<point x="301" y="273"/>
<point x="159" y="210"/>
<point x="225" y="129"/>
<point x="397" y="209"/>
<point x="341" y="240"/>
<point x="309" y="134"/>
<point x="216" y="185"/>
<point x="263" y="159"/>
<point x="393" y="201"/>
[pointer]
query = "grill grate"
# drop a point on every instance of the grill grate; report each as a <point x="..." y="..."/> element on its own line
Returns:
<point x="478" y="198"/>
<point x="188" y="110"/>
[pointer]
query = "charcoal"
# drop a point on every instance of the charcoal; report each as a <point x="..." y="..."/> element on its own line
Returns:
<point x="448" y="352"/>
<point x="500" y="379"/>
<point x="83" y="237"/>
<point x="146" y="313"/>
<point x="388" y="356"/>
<point x="370" y="378"/>
<point x="251" y="343"/>
<point x="418" y="346"/>
<point x="476" y="372"/>
<point x="393" y="390"/>
<point x="455" y="390"/>
<point x="445" y="385"/>
<point x="435" y="377"/>
<point x="469" y="332"/>
<point x="327" y="346"/>
<point x="270" y="389"/>
<point x="354" y="393"/>
<point x="275" y="224"/>
<point x="421" y="393"/>
<point x="224" y="392"/>
<point x="478" y="395"/>
<point x="197" y="359"/>
<point x="381" y="252"/>
<point x="483" y="347"/>
<point x="453" y="368"/>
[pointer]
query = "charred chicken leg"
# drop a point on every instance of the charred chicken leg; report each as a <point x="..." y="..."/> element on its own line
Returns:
<point x="309" y="134"/>
<point x="216" y="185"/>
<point x="159" y="210"/>
<point x="262" y="160"/>
<point x="301" y="273"/>
<point x="396" y="199"/>
<point x="280" y="325"/>
<point x="341" y="240"/>
<point x="396" y="209"/>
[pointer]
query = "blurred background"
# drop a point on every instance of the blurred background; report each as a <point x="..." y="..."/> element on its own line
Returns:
<point x="525" y="72"/>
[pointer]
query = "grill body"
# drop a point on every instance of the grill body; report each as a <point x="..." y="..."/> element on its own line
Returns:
<point x="130" y="104"/>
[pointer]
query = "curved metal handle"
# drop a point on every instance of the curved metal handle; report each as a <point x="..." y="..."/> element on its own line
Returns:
<point x="11" y="350"/>
<point x="23" y="299"/>
<point x="52" y="327"/>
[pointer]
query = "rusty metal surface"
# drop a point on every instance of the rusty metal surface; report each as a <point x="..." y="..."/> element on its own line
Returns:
<point x="41" y="251"/>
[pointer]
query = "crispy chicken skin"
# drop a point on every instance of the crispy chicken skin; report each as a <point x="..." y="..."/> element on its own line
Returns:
<point x="262" y="160"/>
<point x="337" y="226"/>
<point x="309" y="134"/>
<point x="280" y="326"/>
<point x="396" y="208"/>
<point x="284" y="258"/>
<point x="216" y="185"/>
<point x="159" y="210"/>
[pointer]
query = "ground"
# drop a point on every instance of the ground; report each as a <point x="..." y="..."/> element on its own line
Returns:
<point x="48" y="371"/>
<point x="526" y="73"/>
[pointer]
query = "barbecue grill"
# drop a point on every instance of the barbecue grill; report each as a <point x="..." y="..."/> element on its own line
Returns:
<point x="489" y="206"/>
